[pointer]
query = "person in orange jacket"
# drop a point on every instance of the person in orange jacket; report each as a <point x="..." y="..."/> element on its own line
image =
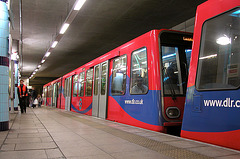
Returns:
<point x="22" y="93"/>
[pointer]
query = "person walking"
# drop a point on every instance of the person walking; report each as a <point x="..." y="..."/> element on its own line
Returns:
<point x="22" y="92"/>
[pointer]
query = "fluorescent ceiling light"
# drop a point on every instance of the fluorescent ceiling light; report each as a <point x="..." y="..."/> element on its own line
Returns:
<point x="14" y="56"/>
<point x="169" y="55"/>
<point x="224" y="40"/>
<point x="64" y="28"/>
<point x="54" y="44"/>
<point x="43" y="61"/>
<point x="79" y="4"/>
<point x="36" y="70"/>
<point x="47" y="54"/>
<point x="207" y="57"/>
<point x="39" y="66"/>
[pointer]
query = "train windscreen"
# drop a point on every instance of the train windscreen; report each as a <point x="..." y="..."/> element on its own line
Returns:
<point x="175" y="57"/>
<point x="218" y="66"/>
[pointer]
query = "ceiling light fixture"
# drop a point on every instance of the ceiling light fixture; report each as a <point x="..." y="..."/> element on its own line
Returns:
<point x="224" y="40"/>
<point x="54" y="44"/>
<point x="207" y="57"/>
<point x="64" y="28"/>
<point x="47" y="54"/>
<point x="71" y="16"/>
<point x="79" y="4"/>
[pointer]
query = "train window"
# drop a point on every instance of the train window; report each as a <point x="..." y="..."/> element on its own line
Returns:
<point x="188" y="53"/>
<point x="65" y="87"/>
<point x="172" y="78"/>
<point x="81" y="84"/>
<point x="89" y="81"/>
<point x="139" y="72"/>
<point x="54" y="94"/>
<point x="119" y="75"/>
<point x="96" y="80"/>
<point x="75" y="85"/>
<point x="50" y="91"/>
<point x="59" y="88"/>
<point x="219" y="58"/>
<point x="45" y="92"/>
<point x="103" y="78"/>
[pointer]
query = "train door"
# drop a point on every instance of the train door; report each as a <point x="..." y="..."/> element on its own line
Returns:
<point x="45" y="96"/>
<point x="175" y="53"/>
<point x="99" y="108"/>
<point x="68" y="91"/>
<point x="58" y="96"/>
<point x="55" y="95"/>
<point x="49" y="95"/>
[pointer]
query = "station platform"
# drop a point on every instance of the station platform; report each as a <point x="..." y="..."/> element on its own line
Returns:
<point x="50" y="133"/>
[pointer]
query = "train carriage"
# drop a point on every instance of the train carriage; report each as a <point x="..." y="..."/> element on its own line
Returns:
<point x="52" y="93"/>
<point x="57" y="93"/>
<point x="140" y="83"/>
<point x="44" y="95"/>
<point x="157" y="63"/>
<point x="47" y="94"/>
<point x="212" y="110"/>
<point x="82" y="91"/>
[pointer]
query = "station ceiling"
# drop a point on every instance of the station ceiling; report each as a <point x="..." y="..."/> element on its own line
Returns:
<point x="100" y="26"/>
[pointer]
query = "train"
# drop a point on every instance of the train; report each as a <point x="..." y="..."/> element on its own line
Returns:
<point x="166" y="80"/>
<point x="124" y="85"/>
<point x="212" y="109"/>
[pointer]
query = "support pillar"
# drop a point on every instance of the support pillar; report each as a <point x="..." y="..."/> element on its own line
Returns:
<point x="4" y="67"/>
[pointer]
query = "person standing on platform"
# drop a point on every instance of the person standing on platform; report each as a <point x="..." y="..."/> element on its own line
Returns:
<point x="34" y="97"/>
<point x="22" y="92"/>
<point x="39" y="100"/>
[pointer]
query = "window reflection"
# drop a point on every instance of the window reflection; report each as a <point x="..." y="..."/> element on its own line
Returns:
<point x="103" y="78"/>
<point x="96" y="80"/>
<point x="171" y="73"/>
<point x="139" y="72"/>
<point x="81" y="84"/>
<point x="119" y="75"/>
<point x="75" y="85"/>
<point x="89" y="81"/>
<point x="219" y="66"/>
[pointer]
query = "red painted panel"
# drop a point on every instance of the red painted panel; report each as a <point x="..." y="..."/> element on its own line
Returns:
<point x="228" y="139"/>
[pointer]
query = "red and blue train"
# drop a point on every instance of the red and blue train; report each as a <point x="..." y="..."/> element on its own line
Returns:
<point x="124" y="85"/>
<point x="212" y="110"/>
<point x="149" y="82"/>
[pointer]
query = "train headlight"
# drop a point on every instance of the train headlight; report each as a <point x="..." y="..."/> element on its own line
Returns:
<point x="173" y="112"/>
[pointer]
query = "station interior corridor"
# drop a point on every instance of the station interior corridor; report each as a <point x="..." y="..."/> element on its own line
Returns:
<point x="50" y="133"/>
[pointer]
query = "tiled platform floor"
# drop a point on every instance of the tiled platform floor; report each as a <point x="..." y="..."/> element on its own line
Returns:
<point x="52" y="133"/>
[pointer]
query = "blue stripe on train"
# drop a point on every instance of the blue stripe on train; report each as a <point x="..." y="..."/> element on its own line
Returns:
<point x="198" y="117"/>
<point x="148" y="112"/>
<point x="82" y="112"/>
<point x="144" y="108"/>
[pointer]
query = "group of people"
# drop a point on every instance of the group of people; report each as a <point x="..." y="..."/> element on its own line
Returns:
<point x="25" y="98"/>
